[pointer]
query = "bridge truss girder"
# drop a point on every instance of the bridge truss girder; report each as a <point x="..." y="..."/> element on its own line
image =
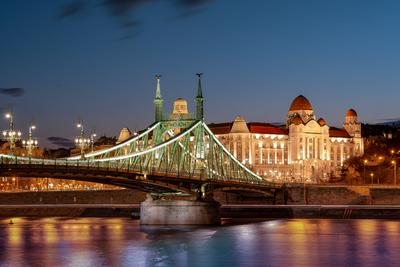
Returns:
<point x="186" y="150"/>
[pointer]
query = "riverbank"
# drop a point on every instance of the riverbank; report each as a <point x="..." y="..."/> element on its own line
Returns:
<point x="227" y="211"/>
<point x="71" y="210"/>
<point x="291" y="194"/>
<point x="311" y="211"/>
<point x="310" y="201"/>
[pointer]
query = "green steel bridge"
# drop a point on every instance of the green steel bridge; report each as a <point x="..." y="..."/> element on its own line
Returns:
<point x="179" y="155"/>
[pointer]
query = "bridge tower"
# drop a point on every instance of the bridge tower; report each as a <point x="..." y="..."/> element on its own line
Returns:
<point x="158" y="101"/>
<point x="199" y="100"/>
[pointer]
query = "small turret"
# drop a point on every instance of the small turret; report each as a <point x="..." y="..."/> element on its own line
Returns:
<point x="351" y="124"/>
<point x="353" y="128"/>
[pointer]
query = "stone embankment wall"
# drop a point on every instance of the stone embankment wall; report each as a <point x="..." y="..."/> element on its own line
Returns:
<point x="317" y="195"/>
<point x="323" y="195"/>
<point x="291" y="195"/>
<point x="74" y="197"/>
<point x="385" y="196"/>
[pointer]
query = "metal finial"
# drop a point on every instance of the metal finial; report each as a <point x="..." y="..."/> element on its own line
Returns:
<point x="199" y="74"/>
<point x="158" y="76"/>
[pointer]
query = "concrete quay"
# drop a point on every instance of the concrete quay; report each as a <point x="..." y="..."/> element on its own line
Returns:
<point x="311" y="211"/>
<point x="70" y="210"/>
<point x="310" y="201"/>
<point x="246" y="212"/>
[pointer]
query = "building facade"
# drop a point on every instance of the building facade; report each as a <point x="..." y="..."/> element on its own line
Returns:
<point x="304" y="149"/>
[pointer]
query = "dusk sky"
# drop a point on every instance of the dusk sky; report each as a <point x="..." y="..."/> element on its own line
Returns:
<point x="96" y="60"/>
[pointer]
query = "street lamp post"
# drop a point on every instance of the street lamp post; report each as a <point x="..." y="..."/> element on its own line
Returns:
<point x="394" y="171"/>
<point x="11" y="135"/>
<point x="92" y="136"/>
<point x="81" y="141"/>
<point x="365" y="162"/>
<point x="31" y="143"/>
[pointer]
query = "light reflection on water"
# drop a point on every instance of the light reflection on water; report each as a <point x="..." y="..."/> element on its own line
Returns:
<point x="122" y="242"/>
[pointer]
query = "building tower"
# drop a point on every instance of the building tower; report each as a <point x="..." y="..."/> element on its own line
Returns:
<point x="158" y="101"/>
<point x="353" y="128"/>
<point x="351" y="124"/>
<point x="199" y="100"/>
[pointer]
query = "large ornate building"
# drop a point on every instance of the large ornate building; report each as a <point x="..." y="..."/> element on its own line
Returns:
<point x="303" y="149"/>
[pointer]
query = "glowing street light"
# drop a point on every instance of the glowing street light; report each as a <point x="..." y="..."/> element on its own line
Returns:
<point x="11" y="135"/>
<point x="31" y="143"/>
<point x="372" y="178"/>
<point x="365" y="162"/>
<point x="81" y="141"/>
<point x="394" y="171"/>
<point x="92" y="136"/>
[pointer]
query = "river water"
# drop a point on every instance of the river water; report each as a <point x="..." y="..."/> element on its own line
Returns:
<point x="123" y="242"/>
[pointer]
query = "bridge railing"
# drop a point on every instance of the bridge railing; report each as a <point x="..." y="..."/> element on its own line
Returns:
<point x="11" y="161"/>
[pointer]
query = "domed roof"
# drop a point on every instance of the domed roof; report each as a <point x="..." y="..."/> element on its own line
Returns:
<point x="351" y="113"/>
<point x="321" y="122"/>
<point x="297" y="120"/>
<point x="300" y="103"/>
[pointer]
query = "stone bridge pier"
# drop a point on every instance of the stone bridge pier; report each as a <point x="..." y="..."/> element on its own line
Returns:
<point x="196" y="211"/>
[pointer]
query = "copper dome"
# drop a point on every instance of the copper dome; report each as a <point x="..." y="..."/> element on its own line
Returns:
<point x="351" y="113"/>
<point x="321" y="122"/>
<point x="300" y="103"/>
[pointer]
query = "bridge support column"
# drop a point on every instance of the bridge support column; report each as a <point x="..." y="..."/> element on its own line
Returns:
<point x="169" y="212"/>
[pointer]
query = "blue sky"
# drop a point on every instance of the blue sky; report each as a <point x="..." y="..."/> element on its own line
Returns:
<point x="256" y="56"/>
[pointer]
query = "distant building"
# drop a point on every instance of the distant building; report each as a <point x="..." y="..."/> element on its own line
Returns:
<point x="303" y="149"/>
<point x="19" y="150"/>
<point x="124" y="135"/>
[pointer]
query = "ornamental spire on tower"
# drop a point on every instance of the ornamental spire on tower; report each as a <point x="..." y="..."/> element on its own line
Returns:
<point x="158" y="90"/>
<point x="158" y="101"/>
<point x="199" y="100"/>
<point x="199" y="90"/>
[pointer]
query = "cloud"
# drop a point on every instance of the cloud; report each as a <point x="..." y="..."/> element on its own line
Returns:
<point x="15" y="92"/>
<point x="192" y="3"/>
<point x="123" y="7"/>
<point x="186" y="14"/>
<point x="61" y="141"/>
<point x="71" y="9"/>
<point x="123" y="10"/>
<point x="189" y="8"/>
<point x="388" y="119"/>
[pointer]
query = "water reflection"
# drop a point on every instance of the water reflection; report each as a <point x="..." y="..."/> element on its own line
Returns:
<point x="122" y="242"/>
